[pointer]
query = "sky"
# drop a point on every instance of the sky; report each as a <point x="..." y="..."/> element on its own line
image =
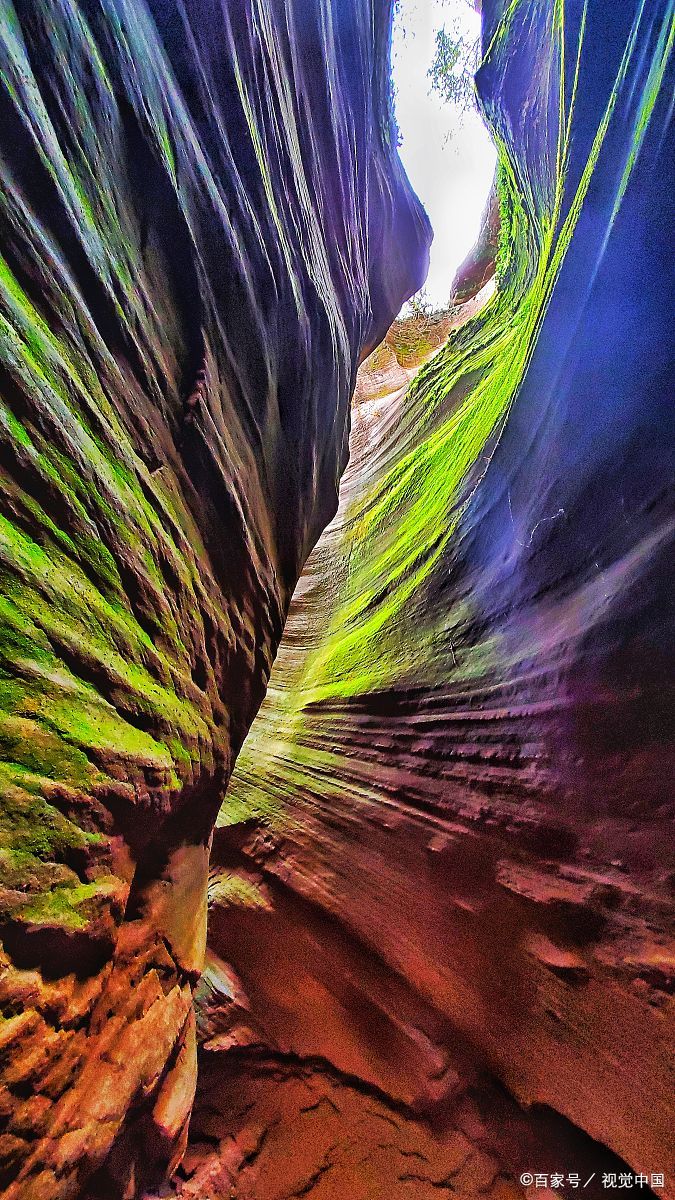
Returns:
<point x="448" y="154"/>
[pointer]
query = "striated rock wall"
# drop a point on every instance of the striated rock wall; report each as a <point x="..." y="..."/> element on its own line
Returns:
<point x="204" y="228"/>
<point x="465" y="758"/>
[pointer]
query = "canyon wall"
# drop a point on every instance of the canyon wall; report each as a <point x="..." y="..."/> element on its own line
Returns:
<point x="463" y="770"/>
<point x="205" y="226"/>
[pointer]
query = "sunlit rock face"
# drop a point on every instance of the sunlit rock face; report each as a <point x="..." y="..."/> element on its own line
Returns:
<point x="464" y="764"/>
<point x="205" y="226"/>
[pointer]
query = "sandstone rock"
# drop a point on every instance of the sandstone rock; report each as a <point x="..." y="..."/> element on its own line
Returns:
<point x="480" y="655"/>
<point x="205" y="226"/>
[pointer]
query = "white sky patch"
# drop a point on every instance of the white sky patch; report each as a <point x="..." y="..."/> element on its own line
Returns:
<point x="447" y="153"/>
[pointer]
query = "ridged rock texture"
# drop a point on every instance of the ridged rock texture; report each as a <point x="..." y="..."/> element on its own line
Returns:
<point x="443" y="874"/>
<point x="205" y="226"/>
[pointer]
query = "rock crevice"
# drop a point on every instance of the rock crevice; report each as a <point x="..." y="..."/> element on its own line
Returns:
<point x="465" y="754"/>
<point x="440" y="890"/>
<point x="205" y="224"/>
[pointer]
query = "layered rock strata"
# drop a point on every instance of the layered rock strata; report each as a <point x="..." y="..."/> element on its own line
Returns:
<point x="205" y="226"/>
<point x="465" y="758"/>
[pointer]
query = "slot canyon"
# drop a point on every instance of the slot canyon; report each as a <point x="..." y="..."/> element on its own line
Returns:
<point x="337" y="663"/>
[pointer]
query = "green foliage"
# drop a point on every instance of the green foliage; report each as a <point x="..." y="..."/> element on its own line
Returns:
<point x="28" y="823"/>
<point x="454" y="66"/>
<point x="414" y="337"/>
<point x="69" y="907"/>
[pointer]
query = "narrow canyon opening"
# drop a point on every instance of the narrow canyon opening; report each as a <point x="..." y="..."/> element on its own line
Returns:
<point x="345" y="893"/>
<point x="336" y="626"/>
<point x="443" y="141"/>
